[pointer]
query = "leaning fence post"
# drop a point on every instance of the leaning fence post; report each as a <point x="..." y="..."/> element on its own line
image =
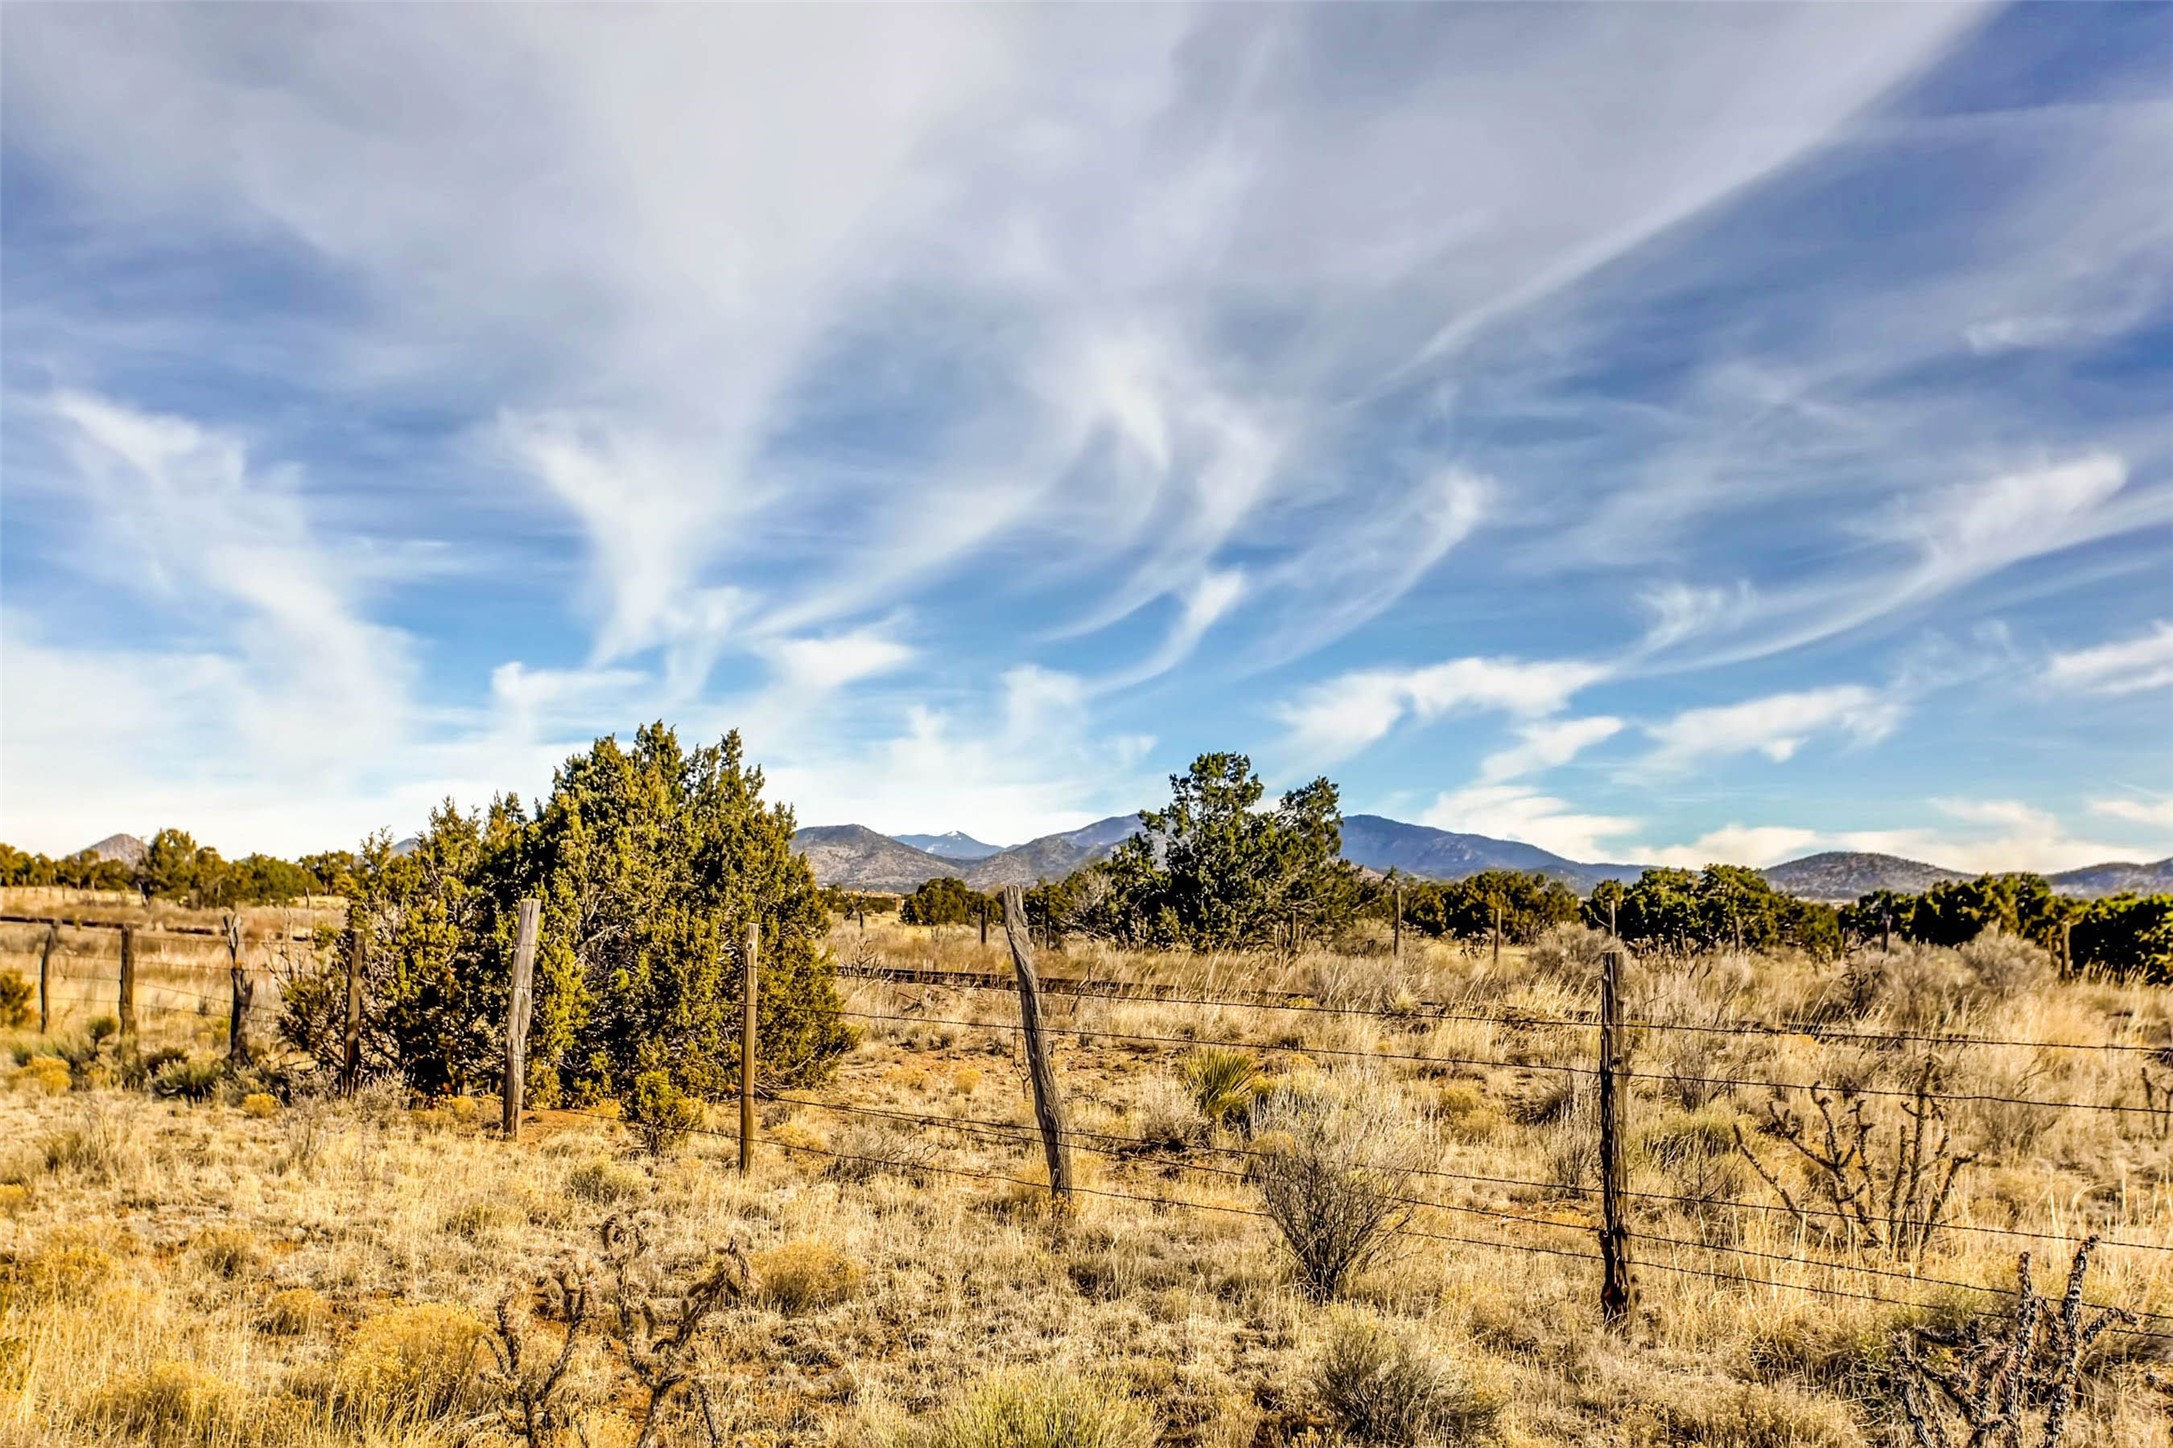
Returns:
<point x="749" y="980"/>
<point x="1048" y="1104"/>
<point x="237" y="1024"/>
<point x="45" y="979"/>
<point x="520" y="1003"/>
<point x="1617" y="1290"/>
<point x="128" y="980"/>
<point x="351" y="1054"/>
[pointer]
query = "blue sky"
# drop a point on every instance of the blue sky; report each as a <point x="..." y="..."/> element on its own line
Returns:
<point x="1657" y="433"/>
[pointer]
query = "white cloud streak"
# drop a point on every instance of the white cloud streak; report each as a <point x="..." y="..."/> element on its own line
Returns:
<point x="2124" y="666"/>
<point x="1547" y="745"/>
<point x="1342" y="716"/>
<point x="1776" y="725"/>
<point x="2156" y="813"/>
<point x="1519" y="812"/>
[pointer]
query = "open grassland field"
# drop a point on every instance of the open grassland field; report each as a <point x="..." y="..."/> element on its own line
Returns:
<point x="269" y="1265"/>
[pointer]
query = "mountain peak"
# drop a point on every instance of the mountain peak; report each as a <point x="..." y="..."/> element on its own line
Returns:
<point x="124" y="847"/>
<point x="951" y="845"/>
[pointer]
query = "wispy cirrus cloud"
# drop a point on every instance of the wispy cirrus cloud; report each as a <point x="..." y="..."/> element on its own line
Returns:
<point x="724" y="361"/>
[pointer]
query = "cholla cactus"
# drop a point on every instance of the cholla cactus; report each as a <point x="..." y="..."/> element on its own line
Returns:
<point x="658" y="1327"/>
<point x="2002" y="1377"/>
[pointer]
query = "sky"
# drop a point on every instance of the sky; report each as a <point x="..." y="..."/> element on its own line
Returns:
<point x="1657" y="433"/>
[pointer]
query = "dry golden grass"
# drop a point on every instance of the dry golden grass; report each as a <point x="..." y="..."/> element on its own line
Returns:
<point x="330" y="1273"/>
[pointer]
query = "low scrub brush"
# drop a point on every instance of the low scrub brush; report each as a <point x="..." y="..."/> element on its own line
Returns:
<point x="1041" y="1410"/>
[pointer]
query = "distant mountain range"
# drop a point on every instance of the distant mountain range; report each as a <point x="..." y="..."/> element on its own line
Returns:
<point x="1375" y="842"/>
<point x="860" y="859"/>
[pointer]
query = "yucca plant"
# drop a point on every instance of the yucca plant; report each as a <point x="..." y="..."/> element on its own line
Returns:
<point x="1223" y="1081"/>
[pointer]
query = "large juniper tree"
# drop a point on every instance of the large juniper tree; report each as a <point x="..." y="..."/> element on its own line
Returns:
<point x="651" y="861"/>
<point x="1214" y="871"/>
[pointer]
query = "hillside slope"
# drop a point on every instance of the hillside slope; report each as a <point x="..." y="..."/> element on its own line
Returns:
<point x="858" y="858"/>
<point x="2111" y="879"/>
<point x="1052" y="857"/>
<point x="1846" y="874"/>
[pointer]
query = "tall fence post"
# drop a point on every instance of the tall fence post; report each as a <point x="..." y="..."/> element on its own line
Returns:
<point x="1497" y="934"/>
<point x="1617" y="1290"/>
<point x="2067" y="950"/>
<point x="45" y="979"/>
<point x="749" y="985"/>
<point x="244" y="993"/>
<point x="1048" y="1103"/>
<point x="1395" y="929"/>
<point x="520" y="1004"/>
<point x="358" y="946"/>
<point x="128" y="980"/>
<point x="984" y="921"/>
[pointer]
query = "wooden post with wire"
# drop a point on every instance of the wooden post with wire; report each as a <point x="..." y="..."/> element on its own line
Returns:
<point x="1617" y="1289"/>
<point x="244" y="993"/>
<point x="520" y="1006"/>
<point x="358" y="946"/>
<point x="1395" y="929"/>
<point x="1048" y="1102"/>
<point x="1497" y="931"/>
<point x="984" y="921"/>
<point x="2067" y="950"/>
<point x="748" y="981"/>
<point x="45" y="979"/>
<point x="127" y="1009"/>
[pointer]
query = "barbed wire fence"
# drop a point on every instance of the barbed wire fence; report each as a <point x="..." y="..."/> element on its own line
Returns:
<point x="1229" y="1162"/>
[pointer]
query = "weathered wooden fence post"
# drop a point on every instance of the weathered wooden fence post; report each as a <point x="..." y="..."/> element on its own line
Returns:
<point x="2067" y="950"/>
<point x="1497" y="934"/>
<point x="1048" y="1102"/>
<point x="1395" y="929"/>
<point x="358" y="946"/>
<point x="520" y="1005"/>
<point x="45" y="979"/>
<point x="128" y="980"/>
<point x="1616" y="1288"/>
<point x="984" y="921"/>
<point x="244" y="992"/>
<point x="749" y="983"/>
